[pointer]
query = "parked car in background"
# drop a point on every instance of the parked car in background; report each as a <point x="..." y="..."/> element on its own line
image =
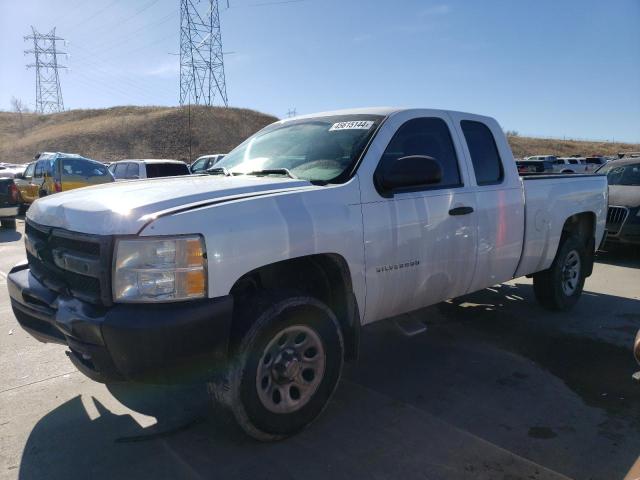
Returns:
<point x="10" y="171"/>
<point x="623" y="216"/>
<point x="569" y="165"/>
<point x="134" y="169"/>
<point x="546" y="158"/>
<point x="26" y="187"/>
<point x="59" y="172"/>
<point x="534" y="166"/>
<point x="622" y="155"/>
<point x="594" y="163"/>
<point x="205" y="162"/>
<point x="9" y="201"/>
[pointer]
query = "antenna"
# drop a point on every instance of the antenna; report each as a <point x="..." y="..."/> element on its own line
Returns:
<point x="48" y="92"/>
<point x="201" y="57"/>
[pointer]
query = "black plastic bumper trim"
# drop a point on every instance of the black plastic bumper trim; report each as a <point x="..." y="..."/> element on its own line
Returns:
<point x="160" y="343"/>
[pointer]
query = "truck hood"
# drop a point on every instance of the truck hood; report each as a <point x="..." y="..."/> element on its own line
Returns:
<point x="624" y="195"/>
<point x="125" y="207"/>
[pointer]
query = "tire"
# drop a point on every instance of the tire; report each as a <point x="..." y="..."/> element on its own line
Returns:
<point x="559" y="287"/>
<point x="9" y="223"/>
<point x="292" y="345"/>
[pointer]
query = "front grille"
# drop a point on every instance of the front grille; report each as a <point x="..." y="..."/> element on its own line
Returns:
<point x="71" y="263"/>
<point x="615" y="218"/>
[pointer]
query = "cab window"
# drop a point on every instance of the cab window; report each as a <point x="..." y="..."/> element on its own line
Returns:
<point x="38" y="169"/>
<point x="428" y="137"/>
<point x="120" y="170"/>
<point x="199" y="165"/>
<point x="133" y="171"/>
<point x="28" y="173"/>
<point x="487" y="164"/>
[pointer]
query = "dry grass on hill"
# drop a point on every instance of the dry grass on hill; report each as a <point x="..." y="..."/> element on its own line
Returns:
<point x="127" y="132"/>
<point x="162" y="132"/>
<point x="525" y="146"/>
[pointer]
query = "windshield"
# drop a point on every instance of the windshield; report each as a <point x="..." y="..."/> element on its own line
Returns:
<point x="82" y="167"/>
<point x="622" y="174"/>
<point x="315" y="149"/>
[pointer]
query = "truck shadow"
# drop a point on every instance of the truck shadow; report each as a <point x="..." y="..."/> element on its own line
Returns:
<point x="8" y="235"/>
<point x="620" y="255"/>
<point x="492" y="363"/>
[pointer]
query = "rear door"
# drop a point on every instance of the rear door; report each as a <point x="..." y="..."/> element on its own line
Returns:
<point x="28" y="189"/>
<point x="498" y="198"/>
<point x="420" y="246"/>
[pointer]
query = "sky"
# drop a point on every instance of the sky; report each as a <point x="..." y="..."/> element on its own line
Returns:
<point x="567" y="68"/>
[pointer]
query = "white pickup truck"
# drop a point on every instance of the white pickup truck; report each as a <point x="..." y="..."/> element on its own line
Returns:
<point x="258" y="277"/>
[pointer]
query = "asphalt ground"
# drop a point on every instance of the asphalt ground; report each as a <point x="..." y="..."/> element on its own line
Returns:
<point x="496" y="388"/>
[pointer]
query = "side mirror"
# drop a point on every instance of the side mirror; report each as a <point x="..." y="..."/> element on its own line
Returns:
<point x="20" y="176"/>
<point x="413" y="171"/>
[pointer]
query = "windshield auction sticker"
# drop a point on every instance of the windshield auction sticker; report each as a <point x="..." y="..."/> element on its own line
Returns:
<point x="357" y="125"/>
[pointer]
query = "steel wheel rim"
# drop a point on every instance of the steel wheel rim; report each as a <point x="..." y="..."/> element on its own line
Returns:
<point x="571" y="273"/>
<point x="291" y="369"/>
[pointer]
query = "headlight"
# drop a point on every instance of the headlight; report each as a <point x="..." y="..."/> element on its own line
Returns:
<point x="159" y="269"/>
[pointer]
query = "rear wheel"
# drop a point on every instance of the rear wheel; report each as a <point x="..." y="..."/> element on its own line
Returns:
<point x="285" y="368"/>
<point x="560" y="286"/>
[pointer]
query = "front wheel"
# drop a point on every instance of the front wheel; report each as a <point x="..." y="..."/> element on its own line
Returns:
<point x="560" y="286"/>
<point x="284" y="368"/>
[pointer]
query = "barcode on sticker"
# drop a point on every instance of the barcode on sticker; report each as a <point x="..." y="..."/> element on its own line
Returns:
<point x="355" y="125"/>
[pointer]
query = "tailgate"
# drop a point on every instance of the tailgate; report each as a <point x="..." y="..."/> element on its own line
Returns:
<point x="5" y="196"/>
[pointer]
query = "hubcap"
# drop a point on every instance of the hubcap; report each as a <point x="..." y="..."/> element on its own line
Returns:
<point x="290" y="369"/>
<point x="571" y="273"/>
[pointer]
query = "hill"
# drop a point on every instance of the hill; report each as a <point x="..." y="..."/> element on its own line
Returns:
<point x="162" y="132"/>
<point x="128" y="132"/>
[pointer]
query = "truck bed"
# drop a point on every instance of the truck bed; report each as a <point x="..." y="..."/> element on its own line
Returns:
<point x="550" y="199"/>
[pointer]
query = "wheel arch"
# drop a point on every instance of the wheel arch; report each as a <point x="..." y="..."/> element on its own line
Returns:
<point x="325" y="276"/>
<point x="583" y="226"/>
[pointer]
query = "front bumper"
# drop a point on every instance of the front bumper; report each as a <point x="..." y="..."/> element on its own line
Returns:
<point x="8" y="212"/>
<point x="180" y="342"/>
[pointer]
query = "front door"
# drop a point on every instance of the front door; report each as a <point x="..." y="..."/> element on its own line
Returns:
<point x="420" y="245"/>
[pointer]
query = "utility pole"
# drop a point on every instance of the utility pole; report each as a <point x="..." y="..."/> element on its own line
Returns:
<point x="48" y="92"/>
<point x="201" y="58"/>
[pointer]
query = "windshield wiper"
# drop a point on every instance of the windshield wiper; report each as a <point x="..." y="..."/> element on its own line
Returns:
<point x="273" y="171"/>
<point x="218" y="171"/>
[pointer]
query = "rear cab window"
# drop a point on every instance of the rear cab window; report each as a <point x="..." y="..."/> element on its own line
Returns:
<point x="485" y="157"/>
<point x="428" y="137"/>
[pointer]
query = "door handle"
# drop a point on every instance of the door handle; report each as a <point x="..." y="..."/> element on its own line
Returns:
<point x="461" y="211"/>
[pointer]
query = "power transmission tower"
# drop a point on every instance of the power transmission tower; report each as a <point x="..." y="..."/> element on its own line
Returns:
<point x="292" y="112"/>
<point x="201" y="58"/>
<point x="48" y="92"/>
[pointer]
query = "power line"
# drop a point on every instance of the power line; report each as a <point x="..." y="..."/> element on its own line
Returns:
<point x="201" y="57"/>
<point x="48" y="92"/>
